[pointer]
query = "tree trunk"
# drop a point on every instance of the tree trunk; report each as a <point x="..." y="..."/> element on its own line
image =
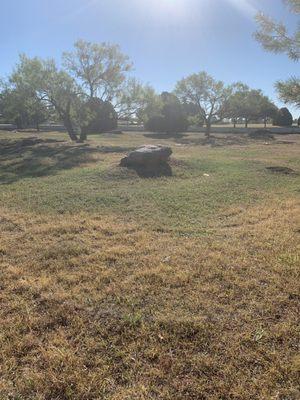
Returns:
<point x="208" y="129"/>
<point x="69" y="127"/>
<point x="83" y="136"/>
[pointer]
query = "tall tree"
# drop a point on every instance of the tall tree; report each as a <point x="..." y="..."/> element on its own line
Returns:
<point x="51" y="86"/>
<point x="249" y="104"/>
<point x="283" y="118"/>
<point x="133" y="100"/>
<point x="208" y="95"/>
<point x="22" y="108"/>
<point x="170" y="117"/>
<point x="100" y="68"/>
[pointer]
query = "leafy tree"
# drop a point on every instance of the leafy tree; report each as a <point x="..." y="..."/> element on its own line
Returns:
<point x="135" y="99"/>
<point x="171" y="116"/>
<point x="191" y="111"/>
<point x="249" y="104"/>
<point x="92" y="71"/>
<point x="152" y="107"/>
<point x="283" y="118"/>
<point x="100" y="68"/>
<point x="98" y="116"/>
<point x="289" y="91"/>
<point x="208" y="95"/>
<point x="22" y="108"/>
<point x="52" y="87"/>
<point x="268" y="110"/>
<point x="275" y="37"/>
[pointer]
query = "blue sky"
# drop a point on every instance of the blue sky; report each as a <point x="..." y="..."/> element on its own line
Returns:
<point x="165" y="39"/>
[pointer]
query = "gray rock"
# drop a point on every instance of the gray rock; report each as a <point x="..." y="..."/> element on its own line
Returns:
<point x="148" y="155"/>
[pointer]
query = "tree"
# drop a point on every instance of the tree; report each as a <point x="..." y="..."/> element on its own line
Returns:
<point x="22" y="108"/>
<point x="283" y="118"/>
<point x="208" y="95"/>
<point x="249" y="104"/>
<point x="98" y="116"/>
<point x="100" y="68"/>
<point x="275" y="37"/>
<point x="289" y="91"/>
<point x="151" y="107"/>
<point x="170" y="117"/>
<point x="92" y="71"/>
<point x="134" y="99"/>
<point x="52" y="87"/>
<point x="191" y="111"/>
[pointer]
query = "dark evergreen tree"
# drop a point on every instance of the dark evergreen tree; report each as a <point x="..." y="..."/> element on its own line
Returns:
<point x="100" y="116"/>
<point x="283" y="118"/>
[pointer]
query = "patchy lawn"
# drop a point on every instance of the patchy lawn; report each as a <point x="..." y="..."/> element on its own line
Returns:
<point x="117" y="287"/>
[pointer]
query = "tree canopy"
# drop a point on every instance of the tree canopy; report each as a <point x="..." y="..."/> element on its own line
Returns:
<point x="169" y="116"/>
<point x="208" y="95"/>
<point x="249" y="104"/>
<point x="275" y="36"/>
<point x="289" y="91"/>
<point x="90" y="71"/>
<point x="51" y="86"/>
<point x="22" y="108"/>
<point x="100" y="68"/>
<point x="283" y="117"/>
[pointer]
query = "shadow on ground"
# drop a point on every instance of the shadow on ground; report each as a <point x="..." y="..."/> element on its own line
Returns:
<point x="152" y="171"/>
<point x="193" y="140"/>
<point x="34" y="157"/>
<point x="165" y="135"/>
<point x="215" y="141"/>
<point x="282" y="170"/>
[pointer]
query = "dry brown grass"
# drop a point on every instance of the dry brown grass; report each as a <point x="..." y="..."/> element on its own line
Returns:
<point x="92" y="308"/>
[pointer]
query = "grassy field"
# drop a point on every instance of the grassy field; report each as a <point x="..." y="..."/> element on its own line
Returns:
<point x="114" y="286"/>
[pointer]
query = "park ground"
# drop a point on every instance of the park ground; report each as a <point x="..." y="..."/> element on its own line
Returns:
<point x="114" y="286"/>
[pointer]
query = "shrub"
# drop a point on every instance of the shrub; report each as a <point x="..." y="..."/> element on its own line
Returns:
<point x="156" y="123"/>
<point x="100" y="116"/>
<point x="283" y="118"/>
<point x="172" y="117"/>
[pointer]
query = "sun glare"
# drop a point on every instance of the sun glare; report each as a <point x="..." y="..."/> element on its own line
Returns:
<point x="166" y="8"/>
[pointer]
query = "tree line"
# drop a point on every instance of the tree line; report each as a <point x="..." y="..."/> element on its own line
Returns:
<point x="93" y="89"/>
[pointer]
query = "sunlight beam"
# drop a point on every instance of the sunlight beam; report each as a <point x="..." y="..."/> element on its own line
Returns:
<point x="244" y="6"/>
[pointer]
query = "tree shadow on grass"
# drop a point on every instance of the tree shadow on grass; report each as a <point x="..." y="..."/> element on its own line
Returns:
<point x="165" y="135"/>
<point x="114" y="149"/>
<point x="215" y="141"/>
<point x="34" y="157"/>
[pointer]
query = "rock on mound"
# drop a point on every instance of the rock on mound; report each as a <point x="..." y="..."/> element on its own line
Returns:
<point x="147" y="155"/>
<point x="149" y="161"/>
